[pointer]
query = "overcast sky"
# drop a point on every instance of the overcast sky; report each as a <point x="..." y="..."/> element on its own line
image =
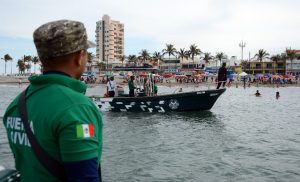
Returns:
<point x="213" y="25"/>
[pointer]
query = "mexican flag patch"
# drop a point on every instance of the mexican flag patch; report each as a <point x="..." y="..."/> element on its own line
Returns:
<point x="85" y="130"/>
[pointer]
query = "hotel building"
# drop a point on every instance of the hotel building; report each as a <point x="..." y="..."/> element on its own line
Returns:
<point x="109" y="40"/>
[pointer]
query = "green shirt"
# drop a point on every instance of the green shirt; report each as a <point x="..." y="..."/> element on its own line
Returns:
<point x="131" y="85"/>
<point x="155" y="89"/>
<point x="64" y="121"/>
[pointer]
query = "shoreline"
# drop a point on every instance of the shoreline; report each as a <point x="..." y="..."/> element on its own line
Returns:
<point x="171" y="83"/>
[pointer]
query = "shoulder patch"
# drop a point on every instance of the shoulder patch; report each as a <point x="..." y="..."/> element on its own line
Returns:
<point x="85" y="130"/>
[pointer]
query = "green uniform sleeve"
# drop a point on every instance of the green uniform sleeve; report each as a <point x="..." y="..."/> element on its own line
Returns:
<point x="80" y="133"/>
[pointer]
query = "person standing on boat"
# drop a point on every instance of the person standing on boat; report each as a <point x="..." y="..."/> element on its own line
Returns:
<point x="146" y="87"/>
<point x="155" y="89"/>
<point x="65" y="123"/>
<point x="111" y="86"/>
<point x="131" y="86"/>
<point x="222" y="76"/>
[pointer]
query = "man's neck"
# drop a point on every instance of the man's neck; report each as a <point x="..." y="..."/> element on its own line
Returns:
<point x="55" y="72"/>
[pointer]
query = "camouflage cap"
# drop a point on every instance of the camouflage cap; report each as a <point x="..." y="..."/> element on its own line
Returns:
<point x="60" y="38"/>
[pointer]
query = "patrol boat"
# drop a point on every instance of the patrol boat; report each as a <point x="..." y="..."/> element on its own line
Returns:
<point x="181" y="101"/>
<point x="10" y="175"/>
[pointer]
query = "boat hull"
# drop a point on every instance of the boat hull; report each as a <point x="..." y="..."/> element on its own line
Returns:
<point x="187" y="101"/>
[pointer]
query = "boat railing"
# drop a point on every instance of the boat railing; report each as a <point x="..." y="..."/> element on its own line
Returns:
<point x="196" y="86"/>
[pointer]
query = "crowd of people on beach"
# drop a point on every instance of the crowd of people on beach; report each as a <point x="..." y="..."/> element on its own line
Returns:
<point x="197" y="80"/>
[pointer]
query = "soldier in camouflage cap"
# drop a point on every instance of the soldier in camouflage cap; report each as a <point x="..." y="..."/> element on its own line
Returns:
<point x="60" y="38"/>
<point x="67" y="125"/>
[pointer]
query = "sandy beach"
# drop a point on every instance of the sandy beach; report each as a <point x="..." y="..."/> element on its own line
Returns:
<point x="13" y="79"/>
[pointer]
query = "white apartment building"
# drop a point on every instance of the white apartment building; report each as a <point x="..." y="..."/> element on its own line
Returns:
<point x="109" y="40"/>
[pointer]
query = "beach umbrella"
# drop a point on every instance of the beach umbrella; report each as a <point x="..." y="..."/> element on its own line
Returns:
<point x="243" y="74"/>
<point x="211" y="74"/>
<point x="92" y="74"/>
<point x="288" y="76"/>
<point x="268" y="75"/>
<point x="168" y="75"/>
<point x="275" y="76"/>
<point x="259" y="75"/>
<point x="143" y="74"/>
<point x="250" y="76"/>
<point x="109" y="74"/>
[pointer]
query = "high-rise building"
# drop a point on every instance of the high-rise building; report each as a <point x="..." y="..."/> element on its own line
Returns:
<point x="109" y="39"/>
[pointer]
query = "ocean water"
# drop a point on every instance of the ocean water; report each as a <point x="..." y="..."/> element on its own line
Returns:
<point x="242" y="138"/>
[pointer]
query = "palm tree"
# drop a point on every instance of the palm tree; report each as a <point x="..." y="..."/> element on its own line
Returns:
<point x="291" y="55"/>
<point x="144" y="55"/>
<point x="158" y="57"/>
<point x="132" y="58"/>
<point x="21" y="66"/>
<point x="35" y="60"/>
<point x="170" y="49"/>
<point x="219" y="57"/>
<point x="275" y="58"/>
<point x="122" y="58"/>
<point x="11" y="61"/>
<point x="6" y="58"/>
<point x="194" y="52"/>
<point x="28" y="67"/>
<point x="27" y="62"/>
<point x="182" y="54"/>
<point x="207" y="57"/>
<point x="261" y="55"/>
<point x="90" y="57"/>
<point x="188" y="53"/>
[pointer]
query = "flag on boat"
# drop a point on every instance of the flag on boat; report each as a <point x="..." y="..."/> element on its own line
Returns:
<point x="85" y="130"/>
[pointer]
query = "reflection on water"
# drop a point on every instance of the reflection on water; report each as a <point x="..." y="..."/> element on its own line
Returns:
<point x="195" y="116"/>
<point x="158" y="145"/>
<point x="242" y="138"/>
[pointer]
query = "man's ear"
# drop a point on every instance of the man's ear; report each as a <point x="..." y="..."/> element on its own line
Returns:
<point x="78" y="58"/>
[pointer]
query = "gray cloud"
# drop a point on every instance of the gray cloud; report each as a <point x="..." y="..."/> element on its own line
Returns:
<point x="214" y="25"/>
